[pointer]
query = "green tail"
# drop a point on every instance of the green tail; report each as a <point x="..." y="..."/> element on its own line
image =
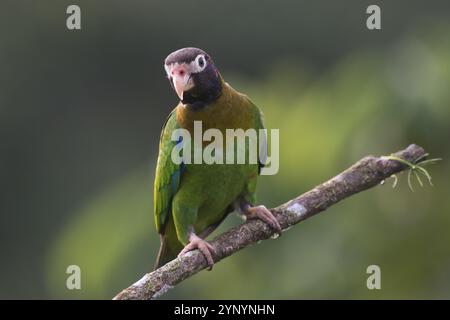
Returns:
<point x="170" y="246"/>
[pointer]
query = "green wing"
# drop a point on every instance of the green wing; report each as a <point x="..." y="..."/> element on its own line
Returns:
<point x="168" y="174"/>
<point x="250" y="192"/>
<point x="259" y="125"/>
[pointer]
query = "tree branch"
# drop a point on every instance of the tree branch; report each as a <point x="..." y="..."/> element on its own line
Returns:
<point x="366" y="173"/>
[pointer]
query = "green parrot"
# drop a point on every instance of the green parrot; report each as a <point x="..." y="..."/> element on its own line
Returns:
<point x="191" y="200"/>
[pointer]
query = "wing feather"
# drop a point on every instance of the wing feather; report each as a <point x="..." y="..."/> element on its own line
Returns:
<point x="168" y="174"/>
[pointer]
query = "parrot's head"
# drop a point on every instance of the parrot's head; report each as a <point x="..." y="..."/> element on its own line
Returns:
<point x="193" y="76"/>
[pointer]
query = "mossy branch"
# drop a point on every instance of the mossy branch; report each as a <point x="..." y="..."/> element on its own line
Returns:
<point x="366" y="173"/>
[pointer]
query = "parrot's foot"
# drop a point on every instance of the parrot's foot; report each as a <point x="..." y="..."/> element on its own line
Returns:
<point x="196" y="242"/>
<point x="264" y="214"/>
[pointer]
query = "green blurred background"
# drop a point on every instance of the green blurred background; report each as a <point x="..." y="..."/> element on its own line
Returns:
<point x="81" y="112"/>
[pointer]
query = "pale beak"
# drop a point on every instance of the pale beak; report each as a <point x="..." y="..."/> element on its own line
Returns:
<point x="180" y="83"/>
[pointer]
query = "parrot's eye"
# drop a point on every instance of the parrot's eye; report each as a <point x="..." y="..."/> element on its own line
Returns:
<point x="201" y="63"/>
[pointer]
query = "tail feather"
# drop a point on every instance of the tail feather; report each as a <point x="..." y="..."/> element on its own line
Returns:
<point x="167" y="251"/>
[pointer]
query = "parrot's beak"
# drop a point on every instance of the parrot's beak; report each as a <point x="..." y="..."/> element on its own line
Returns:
<point x="181" y="81"/>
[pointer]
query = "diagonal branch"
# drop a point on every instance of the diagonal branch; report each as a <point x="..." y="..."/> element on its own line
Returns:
<point x="365" y="174"/>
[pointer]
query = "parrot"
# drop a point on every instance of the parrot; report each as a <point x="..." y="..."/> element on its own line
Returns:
<point x="191" y="199"/>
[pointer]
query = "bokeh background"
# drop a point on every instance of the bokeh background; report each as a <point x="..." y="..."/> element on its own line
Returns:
<point x="81" y="112"/>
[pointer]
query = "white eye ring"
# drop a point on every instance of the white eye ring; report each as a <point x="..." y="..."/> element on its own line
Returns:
<point x="200" y="61"/>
